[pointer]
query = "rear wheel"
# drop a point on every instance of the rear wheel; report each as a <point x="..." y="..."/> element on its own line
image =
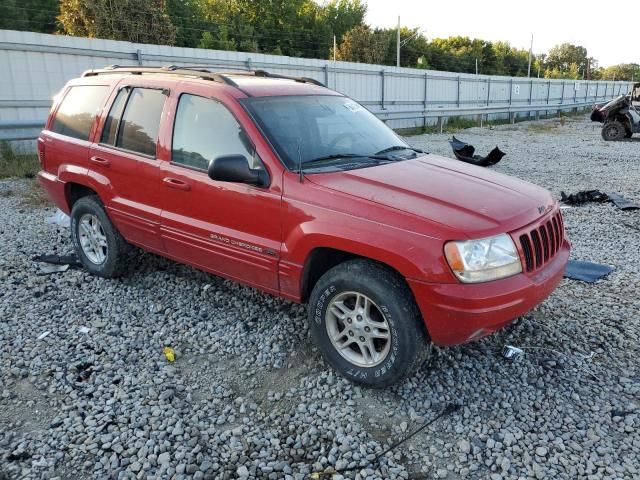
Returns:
<point x="363" y="318"/>
<point x="97" y="243"/>
<point x="614" y="130"/>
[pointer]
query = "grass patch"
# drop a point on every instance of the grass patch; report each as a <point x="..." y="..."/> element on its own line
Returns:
<point x="542" y="127"/>
<point x="451" y="125"/>
<point x="15" y="165"/>
<point x="34" y="196"/>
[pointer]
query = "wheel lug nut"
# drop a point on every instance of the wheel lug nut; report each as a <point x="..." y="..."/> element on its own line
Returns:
<point x="362" y="339"/>
<point x="351" y="333"/>
<point x="359" y="317"/>
<point x="349" y="320"/>
<point x="367" y="329"/>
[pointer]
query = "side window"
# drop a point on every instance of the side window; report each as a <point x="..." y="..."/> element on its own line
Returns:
<point x="140" y="121"/>
<point x="78" y="110"/>
<point x="204" y="129"/>
<point x="111" y="123"/>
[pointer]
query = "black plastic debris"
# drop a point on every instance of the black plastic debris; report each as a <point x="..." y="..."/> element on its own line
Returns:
<point x="54" y="259"/>
<point x="465" y="153"/>
<point x="57" y="263"/>
<point x="622" y="203"/>
<point x="586" y="271"/>
<point x="596" y="196"/>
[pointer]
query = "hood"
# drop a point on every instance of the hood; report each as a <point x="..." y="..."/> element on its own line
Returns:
<point x="473" y="201"/>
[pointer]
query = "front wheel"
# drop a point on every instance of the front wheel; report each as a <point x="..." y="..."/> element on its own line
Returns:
<point x="614" y="130"/>
<point x="365" y="322"/>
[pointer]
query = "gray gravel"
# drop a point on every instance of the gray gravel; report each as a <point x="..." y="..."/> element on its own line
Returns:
<point x="249" y="396"/>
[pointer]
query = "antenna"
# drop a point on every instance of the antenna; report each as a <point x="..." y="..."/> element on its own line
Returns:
<point x="300" y="175"/>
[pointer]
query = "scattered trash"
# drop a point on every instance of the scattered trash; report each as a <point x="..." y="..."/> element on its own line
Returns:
<point x="48" y="269"/>
<point x="465" y="153"/>
<point x="596" y="196"/>
<point x="584" y="196"/>
<point x="83" y="372"/>
<point x="59" y="218"/>
<point x="53" y="259"/>
<point x="622" y="203"/>
<point x="513" y="353"/>
<point x="169" y="353"/>
<point x="84" y="329"/>
<point x="56" y="263"/>
<point x="586" y="271"/>
<point x="518" y="352"/>
<point x="634" y="227"/>
<point x="43" y="335"/>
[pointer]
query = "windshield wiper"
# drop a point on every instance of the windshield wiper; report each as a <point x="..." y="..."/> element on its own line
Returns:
<point x="397" y="147"/>
<point x="334" y="156"/>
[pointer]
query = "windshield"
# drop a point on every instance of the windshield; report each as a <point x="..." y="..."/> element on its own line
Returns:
<point x="322" y="127"/>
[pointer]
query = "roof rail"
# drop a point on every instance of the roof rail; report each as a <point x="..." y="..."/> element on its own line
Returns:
<point x="199" y="71"/>
<point x="169" y="70"/>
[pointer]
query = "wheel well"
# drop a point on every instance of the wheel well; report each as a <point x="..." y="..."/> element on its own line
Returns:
<point x="323" y="259"/>
<point x="623" y="120"/>
<point x="320" y="261"/>
<point x="75" y="192"/>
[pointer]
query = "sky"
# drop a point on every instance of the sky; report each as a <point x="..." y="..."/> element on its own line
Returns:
<point x="551" y="23"/>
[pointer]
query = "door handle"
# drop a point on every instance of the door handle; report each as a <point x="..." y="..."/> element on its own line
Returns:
<point x="103" y="162"/>
<point x="175" y="183"/>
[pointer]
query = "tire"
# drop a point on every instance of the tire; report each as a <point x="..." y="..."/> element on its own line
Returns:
<point x="628" y="134"/>
<point x="98" y="245"/>
<point x="391" y="309"/>
<point x="612" y="131"/>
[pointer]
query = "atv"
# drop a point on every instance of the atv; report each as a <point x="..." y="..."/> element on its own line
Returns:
<point x="620" y="117"/>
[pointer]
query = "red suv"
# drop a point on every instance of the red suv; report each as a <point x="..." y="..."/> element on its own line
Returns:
<point x="299" y="191"/>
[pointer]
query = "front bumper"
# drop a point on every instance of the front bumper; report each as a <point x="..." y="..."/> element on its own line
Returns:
<point x="460" y="313"/>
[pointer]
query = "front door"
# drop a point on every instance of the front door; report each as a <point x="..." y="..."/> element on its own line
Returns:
<point x="229" y="229"/>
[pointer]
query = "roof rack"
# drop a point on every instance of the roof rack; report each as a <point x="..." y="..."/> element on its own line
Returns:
<point x="198" y="71"/>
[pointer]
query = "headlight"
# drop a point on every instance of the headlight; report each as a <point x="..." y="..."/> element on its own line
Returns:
<point x="483" y="260"/>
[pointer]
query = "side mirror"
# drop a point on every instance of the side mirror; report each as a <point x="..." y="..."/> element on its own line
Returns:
<point x="235" y="168"/>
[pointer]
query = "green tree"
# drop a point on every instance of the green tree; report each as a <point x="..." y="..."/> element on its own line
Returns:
<point x="218" y="41"/>
<point x="623" y="71"/>
<point x="186" y="16"/>
<point x="142" y="21"/>
<point x="361" y="44"/>
<point x="565" y="57"/>
<point x="29" y="15"/>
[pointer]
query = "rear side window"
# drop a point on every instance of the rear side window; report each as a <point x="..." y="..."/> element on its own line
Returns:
<point x="111" y="124"/>
<point x="140" y="121"/>
<point x="205" y="129"/>
<point x="78" y="110"/>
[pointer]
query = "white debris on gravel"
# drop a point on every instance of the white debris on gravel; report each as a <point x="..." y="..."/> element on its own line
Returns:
<point x="249" y="397"/>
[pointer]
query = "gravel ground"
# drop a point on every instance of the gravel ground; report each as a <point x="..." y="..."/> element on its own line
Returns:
<point x="248" y="396"/>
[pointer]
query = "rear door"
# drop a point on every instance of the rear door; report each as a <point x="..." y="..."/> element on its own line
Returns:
<point x="125" y="157"/>
<point x="231" y="229"/>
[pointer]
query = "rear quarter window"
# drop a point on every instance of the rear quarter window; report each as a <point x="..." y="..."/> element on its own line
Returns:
<point x="78" y="110"/>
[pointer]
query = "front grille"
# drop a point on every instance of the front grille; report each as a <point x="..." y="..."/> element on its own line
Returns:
<point x="540" y="244"/>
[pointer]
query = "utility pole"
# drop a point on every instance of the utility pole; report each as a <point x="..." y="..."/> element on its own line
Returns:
<point x="334" y="48"/>
<point x="530" y="50"/>
<point x="398" y="44"/>
<point x="476" y="66"/>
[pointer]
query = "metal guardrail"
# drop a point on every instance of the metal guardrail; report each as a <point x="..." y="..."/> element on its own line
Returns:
<point x="385" y="115"/>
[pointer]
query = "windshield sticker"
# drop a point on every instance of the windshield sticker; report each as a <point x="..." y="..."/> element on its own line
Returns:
<point x="353" y="106"/>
